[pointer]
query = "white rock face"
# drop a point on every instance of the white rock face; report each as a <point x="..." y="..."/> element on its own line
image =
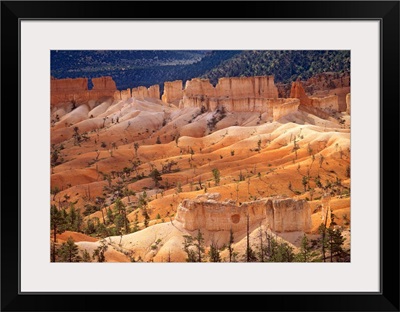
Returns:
<point x="206" y="212"/>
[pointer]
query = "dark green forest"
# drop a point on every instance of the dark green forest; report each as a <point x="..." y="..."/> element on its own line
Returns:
<point x="136" y="68"/>
<point x="145" y="68"/>
<point x="286" y="66"/>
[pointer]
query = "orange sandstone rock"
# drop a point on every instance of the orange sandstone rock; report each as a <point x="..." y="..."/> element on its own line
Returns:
<point x="173" y="92"/>
<point x="206" y="212"/>
<point x="348" y="102"/>
<point x="104" y="83"/>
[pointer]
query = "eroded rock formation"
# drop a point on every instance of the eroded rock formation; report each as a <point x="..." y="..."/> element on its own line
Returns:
<point x="348" y="103"/>
<point x="238" y="89"/>
<point x="327" y="103"/>
<point x="322" y="85"/>
<point x="173" y="92"/>
<point x="104" y="83"/>
<point x="207" y="212"/>
<point x="139" y="93"/>
<point x="297" y="91"/>
<point x="76" y="90"/>
<point x="63" y="85"/>
<point x="237" y="94"/>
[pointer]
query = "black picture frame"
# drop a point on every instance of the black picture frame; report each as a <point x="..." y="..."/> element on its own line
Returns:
<point x="12" y="12"/>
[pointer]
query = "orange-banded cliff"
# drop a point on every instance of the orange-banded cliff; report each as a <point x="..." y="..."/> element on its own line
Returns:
<point x="207" y="212"/>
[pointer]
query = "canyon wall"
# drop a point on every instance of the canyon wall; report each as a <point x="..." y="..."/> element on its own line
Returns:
<point x="321" y="85"/>
<point x="154" y="92"/>
<point x="76" y="90"/>
<point x="253" y="87"/>
<point x="173" y="92"/>
<point x="326" y="102"/>
<point x="103" y="83"/>
<point x="206" y="212"/>
<point x="63" y="85"/>
<point x="139" y="93"/>
<point x="284" y="107"/>
<point x="68" y="90"/>
<point x="297" y="91"/>
<point x="275" y="108"/>
<point x="238" y="94"/>
<point x="232" y="87"/>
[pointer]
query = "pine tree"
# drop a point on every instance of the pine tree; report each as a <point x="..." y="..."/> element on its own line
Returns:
<point x="121" y="219"/>
<point x="135" y="224"/>
<point x="250" y="255"/>
<point x="213" y="253"/>
<point x="156" y="176"/>
<point x="99" y="252"/>
<point x="142" y="203"/>
<point x="261" y="247"/>
<point x="306" y="253"/>
<point x="335" y="244"/>
<point x="110" y="216"/>
<point x="57" y="224"/>
<point x="74" y="219"/>
<point x="199" y="244"/>
<point x="187" y="247"/>
<point x="216" y="175"/>
<point x="284" y="252"/>
<point x="69" y="252"/>
<point x="86" y="256"/>
<point x="230" y="247"/>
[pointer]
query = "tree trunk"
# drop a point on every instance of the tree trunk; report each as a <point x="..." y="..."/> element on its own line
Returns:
<point x="248" y="240"/>
<point x="54" y="242"/>
<point x="102" y="214"/>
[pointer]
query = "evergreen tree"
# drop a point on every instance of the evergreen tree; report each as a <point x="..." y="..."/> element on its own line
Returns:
<point x="335" y="245"/>
<point x="261" y="247"/>
<point x="74" y="219"/>
<point x="199" y="244"/>
<point x="250" y="255"/>
<point x="306" y="253"/>
<point x="187" y="247"/>
<point x="284" y="253"/>
<point x="194" y="247"/>
<point x="216" y="175"/>
<point x="100" y="251"/>
<point x="69" y="252"/>
<point x="110" y="215"/>
<point x="102" y="230"/>
<point x="86" y="256"/>
<point x="121" y="219"/>
<point x="213" y="253"/>
<point x="142" y="203"/>
<point x="135" y="224"/>
<point x="230" y="247"/>
<point x="57" y="224"/>
<point x="156" y="176"/>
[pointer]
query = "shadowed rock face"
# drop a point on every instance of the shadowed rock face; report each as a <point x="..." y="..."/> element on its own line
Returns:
<point x="206" y="212"/>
